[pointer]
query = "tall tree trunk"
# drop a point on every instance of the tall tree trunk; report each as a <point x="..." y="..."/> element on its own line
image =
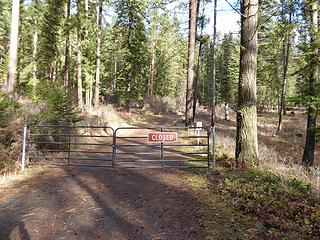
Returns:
<point x="195" y="93"/>
<point x="90" y="92"/>
<point x="308" y="154"/>
<point x="115" y="78"/>
<point x="34" y="63"/>
<point x="152" y="71"/>
<point x="79" y="58"/>
<point x="285" y="55"/>
<point x="13" y="51"/>
<point x="34" y="52"/>
<point x="247" y="139"/>
<point x="191" y="49"/>
<point x="67" y="51"/>
<point x="213" y="103"/>
<point x="98" y="48"/>
<point x="87" y="76"/>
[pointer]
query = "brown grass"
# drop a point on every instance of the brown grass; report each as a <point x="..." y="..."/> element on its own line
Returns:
<point x="281" y="153"/>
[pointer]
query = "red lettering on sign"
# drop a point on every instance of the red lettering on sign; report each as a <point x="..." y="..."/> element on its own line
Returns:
<point x="156" y="137"/>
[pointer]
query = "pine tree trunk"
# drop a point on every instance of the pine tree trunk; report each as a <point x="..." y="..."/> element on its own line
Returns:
<point x="247" y="140"/>
<point x="284" y="82"/>
<point x="98" y="47"/>
<point x="195" y="93"/>
<point x="90" y="92"/>
<point x="67" y="51"/>
<point x="87" y="76"/>
<point x="13" y="51"/>
<point x="285" y="54"/>
<point x="34" y="52"/>
<point x="115" y="78"/>
<point x="152" y="72"/>
<point x="79" y="59"/>
<point x="191" y="50"/>
<point x="213" y="97"/>
<point x="308" y="154"/>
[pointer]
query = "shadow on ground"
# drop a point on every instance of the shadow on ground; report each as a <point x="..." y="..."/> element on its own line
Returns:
<point x="87" y="203"/>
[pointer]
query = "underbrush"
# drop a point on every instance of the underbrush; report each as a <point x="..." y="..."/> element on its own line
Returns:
<point x="284" y="208"/>
<point x="10" y="130"/>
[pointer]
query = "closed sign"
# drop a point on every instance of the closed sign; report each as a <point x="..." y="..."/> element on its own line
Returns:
<point x="162" y="137"/>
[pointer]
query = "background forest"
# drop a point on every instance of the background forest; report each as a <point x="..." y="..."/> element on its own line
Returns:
<point x="73" y="56"/>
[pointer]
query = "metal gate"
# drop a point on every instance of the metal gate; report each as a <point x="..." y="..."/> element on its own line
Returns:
<point x="123" y="147"/>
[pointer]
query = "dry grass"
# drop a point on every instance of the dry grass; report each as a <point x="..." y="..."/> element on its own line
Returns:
<point x="280" y="153"/>
<point x="10" y="179"/>
<point x="104" y="115"/>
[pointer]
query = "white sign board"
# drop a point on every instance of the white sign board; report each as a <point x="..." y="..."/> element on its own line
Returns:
<point x="199" y="124"/>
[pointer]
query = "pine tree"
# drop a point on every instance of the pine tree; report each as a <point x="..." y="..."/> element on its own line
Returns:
<point x="308" y="154"/>
<point x="191" y="51"/>
<point x="130" y="28"/>
<point x="247" y="140"/>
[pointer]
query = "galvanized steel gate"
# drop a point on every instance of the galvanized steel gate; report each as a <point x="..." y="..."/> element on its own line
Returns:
<point x="123" y="147"/>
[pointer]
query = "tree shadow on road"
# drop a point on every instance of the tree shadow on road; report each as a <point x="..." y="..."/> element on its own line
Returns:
<point x="97" y="203"/>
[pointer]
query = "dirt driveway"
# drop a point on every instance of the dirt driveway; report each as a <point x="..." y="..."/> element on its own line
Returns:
<point x="86" y="203"/>
<point x="98" y="203"/>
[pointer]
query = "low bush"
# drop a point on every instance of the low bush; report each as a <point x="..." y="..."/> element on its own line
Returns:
<point x="10" y="109"/>
<point x="283" y="206"/>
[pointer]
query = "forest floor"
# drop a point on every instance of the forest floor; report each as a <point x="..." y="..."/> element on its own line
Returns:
<point x="90" y="203"/>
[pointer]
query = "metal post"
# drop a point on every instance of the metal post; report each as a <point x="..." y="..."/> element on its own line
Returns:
<point x="23" y="160"/>
<point x="28" y="140"/>
<point x="69" y="144"/>
<point x="161" y="152"/>
<point x="208" y="146"/>
<point x="213" y="134"/>
<point x="114" y="149"/>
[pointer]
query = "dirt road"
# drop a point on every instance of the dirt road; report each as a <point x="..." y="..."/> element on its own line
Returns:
<point x="99" y="203"/>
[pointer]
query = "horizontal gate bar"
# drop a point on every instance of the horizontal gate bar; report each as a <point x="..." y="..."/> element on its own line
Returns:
<point x="71" y="158"/>
<point x="72" y="165"/>
<point x="157" y="153"/>
<point x="75" y="143"/>
<point x="182" y="137"/>
<point x="78" y="151"/>
<point x="164" y="145"/>
<point x="67" y="135"/>
<point x="159" y="160"/>
<point x="157" y="167"/>
<point x="68" y="126"/>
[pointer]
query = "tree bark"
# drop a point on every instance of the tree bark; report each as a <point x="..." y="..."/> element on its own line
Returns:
<point x="308" y="154"/>
<point x="195" y="93"/>
<point x="213" y="100"/>
<point x="247" y="140"/>
<point x="86" y="37"/>
<point x="79" y="59"/>
<point x="285" y="54"/>
<point x="13" y="50"/>
<point x="115" y="78"/>
<point x="34" y="52"/>
<point x="191" y="49"/>
<point x="67" y="51"/>
<point x="152" y="71"/>
<point x="98" y="55"/>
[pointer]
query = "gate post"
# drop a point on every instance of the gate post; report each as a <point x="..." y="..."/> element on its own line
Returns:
<point x="69" y="144"/>
<point x="161" y="150"/>
<point x="114" y="143"/>
<point x="23" y="159"/>
<point x="213" y="134"/>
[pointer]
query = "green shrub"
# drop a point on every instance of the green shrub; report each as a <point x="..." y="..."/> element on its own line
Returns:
<point x="9" y="109"/>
